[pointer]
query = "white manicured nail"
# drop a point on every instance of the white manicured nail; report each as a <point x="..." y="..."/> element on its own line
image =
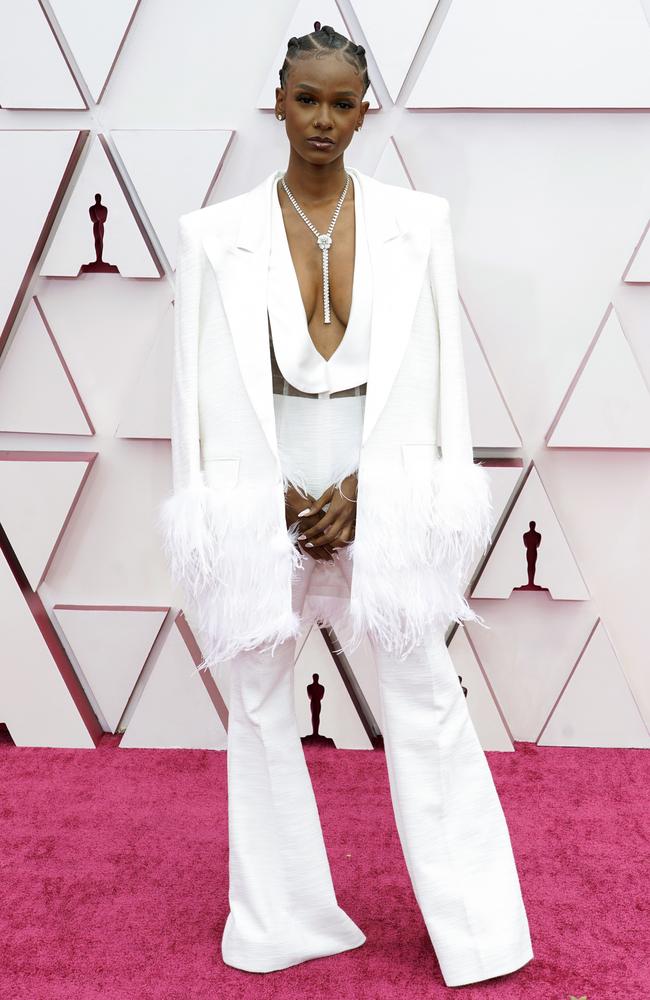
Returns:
<point x="301" y="538"/>
<point x="309" y="545"/>
<point x="306" y="511"/>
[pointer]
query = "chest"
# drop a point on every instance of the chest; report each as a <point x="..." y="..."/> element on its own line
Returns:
<point x="307" y="260"/>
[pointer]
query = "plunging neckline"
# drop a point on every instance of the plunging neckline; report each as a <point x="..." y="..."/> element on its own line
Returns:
<point x="298" y="359"/>
<point x="294" y="275"/>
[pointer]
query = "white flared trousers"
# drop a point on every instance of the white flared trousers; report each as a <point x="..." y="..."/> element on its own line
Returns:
<point x="452" y="829"/>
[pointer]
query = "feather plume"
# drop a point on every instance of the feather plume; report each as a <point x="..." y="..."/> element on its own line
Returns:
<point x="234" y="560"/>
<point x="416" y="543"/>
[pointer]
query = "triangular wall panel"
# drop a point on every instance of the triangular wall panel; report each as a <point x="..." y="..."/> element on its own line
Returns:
<point x="33" y="70"/>
<point x="394" y="41"/>
<point x="176" y="707"/>
<point x="638" y="268"/>
<point x="608" y="402"/>
<point x="95" y="51"/>
<point x="34" y="161"/>
<point x="596" y="707"/>
<point x="111" y="646"/>
<point x="555" y="569"/>
<point x="74" y="243"/>
<point x="391" y="168"/>
<point x="498" y="55"/>
<point x="483" y="709"/>
<point x="527" y="653"/>
<point x="490" y="419"/>
<point x="173" y="172"/>
<point x="38" y="493"/>
<point x="146" y="411"/>
<point x="37" y="392"/>
<point x="36" y="704"/>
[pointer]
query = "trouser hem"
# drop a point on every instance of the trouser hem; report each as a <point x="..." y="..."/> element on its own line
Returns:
<point x="477" y="971"/>
<point x="294" y="947"/>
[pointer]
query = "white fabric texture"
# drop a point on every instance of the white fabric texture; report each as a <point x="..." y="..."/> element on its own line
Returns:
<point x="319" y="433"/>
<point x="301" y="363"/>
<point x="450" y="821"/>
<point x="234" y="556"/>
<point x="319" y="437"/>
<point x="283" y="908"/>
<point x="451" y="825"/>
<point x="424" y="509"/>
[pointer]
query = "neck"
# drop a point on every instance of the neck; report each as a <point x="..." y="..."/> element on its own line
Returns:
<point x="313" y="185"/>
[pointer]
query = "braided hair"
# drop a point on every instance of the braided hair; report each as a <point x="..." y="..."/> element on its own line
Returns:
<point x="321" y="39"/>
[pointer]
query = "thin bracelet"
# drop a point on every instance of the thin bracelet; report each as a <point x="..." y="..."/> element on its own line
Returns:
<point x="349" y="499"/>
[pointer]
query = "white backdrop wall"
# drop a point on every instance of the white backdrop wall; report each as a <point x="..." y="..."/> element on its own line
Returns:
<point x="536" y="129"/>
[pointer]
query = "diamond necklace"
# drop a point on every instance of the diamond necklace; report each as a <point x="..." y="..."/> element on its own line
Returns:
<point x="324" y="241"/>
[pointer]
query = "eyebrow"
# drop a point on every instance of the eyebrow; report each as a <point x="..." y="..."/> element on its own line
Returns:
<point x="339" y="93"/>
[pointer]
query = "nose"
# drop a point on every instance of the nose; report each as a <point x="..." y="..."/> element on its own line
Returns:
<point x="323" y="120"/>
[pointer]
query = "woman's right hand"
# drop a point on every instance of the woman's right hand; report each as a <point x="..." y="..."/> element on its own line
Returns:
<point x="294" y="502"/>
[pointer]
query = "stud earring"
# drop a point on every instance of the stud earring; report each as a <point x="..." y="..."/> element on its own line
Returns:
<point x="280" y="118"/>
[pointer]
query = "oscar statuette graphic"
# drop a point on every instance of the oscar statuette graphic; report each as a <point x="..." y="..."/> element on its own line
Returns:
<point x="532" y="540"/>
<point x="316" y="693"/>
<point x="98" y="213"/>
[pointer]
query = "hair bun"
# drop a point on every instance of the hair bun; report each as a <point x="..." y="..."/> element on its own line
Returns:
<point x="316" y="25"/>
<point x="360" y="50"/>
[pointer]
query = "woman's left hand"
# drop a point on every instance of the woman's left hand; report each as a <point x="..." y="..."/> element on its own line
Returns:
<point x="337" y="525"/>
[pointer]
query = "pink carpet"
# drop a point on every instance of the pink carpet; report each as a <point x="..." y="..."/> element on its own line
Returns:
<point x="114" y="877"/>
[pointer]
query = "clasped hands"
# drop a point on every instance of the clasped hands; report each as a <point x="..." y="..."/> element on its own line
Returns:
<point x="329" y="530"/>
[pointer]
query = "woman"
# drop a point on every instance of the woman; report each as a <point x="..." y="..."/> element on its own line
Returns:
<point x="318" y="374"/>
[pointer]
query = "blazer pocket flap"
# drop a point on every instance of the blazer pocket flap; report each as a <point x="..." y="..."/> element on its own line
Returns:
<point x="220" y="471"/>
<point x="420" y="458"/>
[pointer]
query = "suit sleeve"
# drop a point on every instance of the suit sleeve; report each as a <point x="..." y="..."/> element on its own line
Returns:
<point x="183" y="518"/>
<point x="185" y="447"/>
<point x="455" y="430"/>
<point x="463" y="502"/>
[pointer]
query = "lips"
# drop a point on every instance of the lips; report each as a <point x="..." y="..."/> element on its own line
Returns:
<point x="317" y="138"/>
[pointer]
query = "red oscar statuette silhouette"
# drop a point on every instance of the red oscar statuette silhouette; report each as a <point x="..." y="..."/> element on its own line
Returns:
<point x="532" y="540"/>
<point x="98" y="213"/>
<point x="316" y="691"/>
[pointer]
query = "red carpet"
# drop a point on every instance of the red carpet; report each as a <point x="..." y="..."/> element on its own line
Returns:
<point x="114" y="878"/>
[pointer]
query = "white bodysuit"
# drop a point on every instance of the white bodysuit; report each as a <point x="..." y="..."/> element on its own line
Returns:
<point x="319" y="404"/>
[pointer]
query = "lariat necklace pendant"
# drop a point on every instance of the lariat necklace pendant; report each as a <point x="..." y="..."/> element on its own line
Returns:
<point x="324" y="241"/>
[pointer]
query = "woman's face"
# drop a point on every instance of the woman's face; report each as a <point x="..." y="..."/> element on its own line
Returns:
<point x="322" y="97"/>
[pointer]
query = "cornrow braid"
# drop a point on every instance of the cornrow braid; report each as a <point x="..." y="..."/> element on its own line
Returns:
<point x="320" y="39"/>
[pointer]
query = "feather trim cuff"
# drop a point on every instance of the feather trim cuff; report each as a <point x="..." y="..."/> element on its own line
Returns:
<point x="234" y="561"/>
<point x="415" y="546"/>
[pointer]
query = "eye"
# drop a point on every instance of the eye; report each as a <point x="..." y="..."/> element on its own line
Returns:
<point x="302" y="98"/>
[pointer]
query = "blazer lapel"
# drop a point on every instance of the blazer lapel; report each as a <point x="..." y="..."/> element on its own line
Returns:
<point x="241" y="268"/>
<point x="398" y="247"/>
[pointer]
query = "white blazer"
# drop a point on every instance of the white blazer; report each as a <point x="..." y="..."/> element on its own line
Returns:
<point x="423" y="506"/>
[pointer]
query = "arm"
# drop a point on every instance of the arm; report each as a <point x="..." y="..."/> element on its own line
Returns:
<point x="184" y="396"/>
<point x="463" y="503"/>
<point x="182" y="515"/>
<point x="455" y="432"/>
